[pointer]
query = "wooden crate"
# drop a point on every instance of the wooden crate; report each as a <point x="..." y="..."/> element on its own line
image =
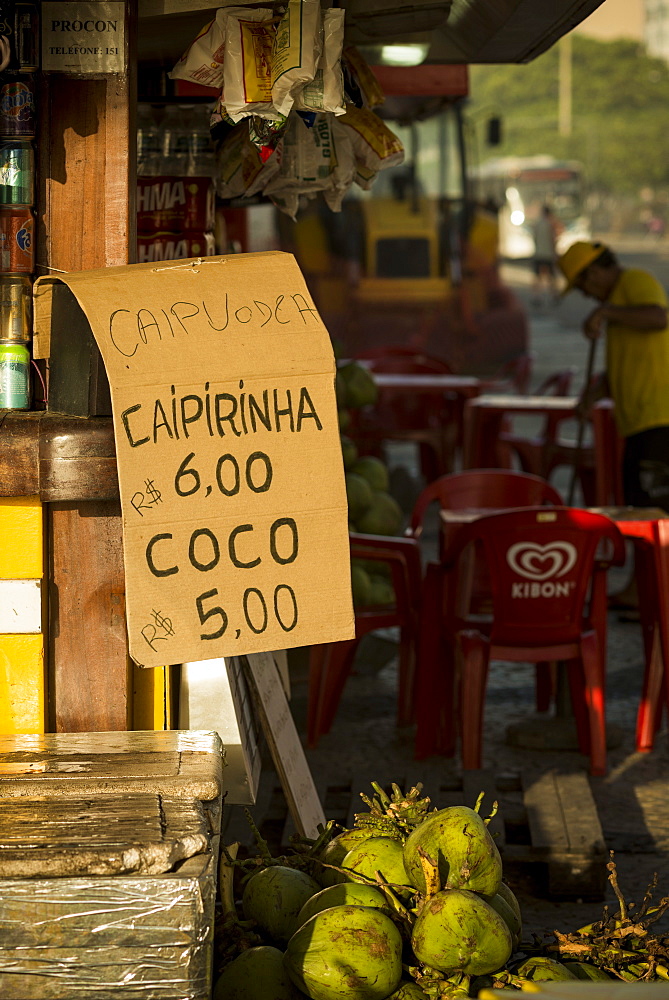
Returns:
<point x="108" y="858"/>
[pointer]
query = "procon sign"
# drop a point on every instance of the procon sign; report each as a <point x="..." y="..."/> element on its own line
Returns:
<point x="229" y="457"/>
<point x="83" y="38"/>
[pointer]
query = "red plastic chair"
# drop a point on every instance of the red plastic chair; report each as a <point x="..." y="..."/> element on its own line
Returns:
<point x="477" y="489"/>
<point x="608" y="448"/>
<point x="533" y="452"/>
<point x="490" y="489"/>
<point x="403" y="360"/>
<point x="652" y="572"/>
<point x="547" y="451"/>
<point x="429" y="420"/>
<point x="547" y="569"/>
<point x="513" y="375"/>
<point x="330" y="664"/>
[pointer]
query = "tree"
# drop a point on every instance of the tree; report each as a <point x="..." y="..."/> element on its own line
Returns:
<point x="620" y="101"/>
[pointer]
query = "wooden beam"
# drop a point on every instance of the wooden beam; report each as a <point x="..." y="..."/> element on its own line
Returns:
<point x="86" y="220"/>
<point x="87" y="173"/>
<point x="88" y="665"/>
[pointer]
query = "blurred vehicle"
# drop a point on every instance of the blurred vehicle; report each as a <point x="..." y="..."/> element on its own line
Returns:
<point x="521" y="186"/>
<point x="413" y="261"/>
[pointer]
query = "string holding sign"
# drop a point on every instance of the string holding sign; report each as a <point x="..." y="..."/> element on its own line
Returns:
<point x="190" y="265"/>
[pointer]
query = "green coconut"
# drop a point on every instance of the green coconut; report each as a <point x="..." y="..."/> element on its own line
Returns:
<point x="509" y="896"/>
<point x="457" y="931"/>
<point x="543" y="970"/>
<point x="377" y="568"/>
<point x="344" y="894"/>
<point x="346" y="951"/>
<point x="361" y="586"/>
<point x="360" y="386"/>
<point x="336" y="851"/>
<point x="257" y="972"/>
<point x="459" y="842"/>
<point x="378" y="854"/>
<point x="359" y="495"/>
<point x="583" y="970"/>
<point x="509" y="916"/>
<point x="478" y="983"/>
<point x="374" y="471"/>
<point x="340" y="390"/>
<point x="344" y="419"/>
<point x="349" y="450"/>
<point x="383" y="516"/>
<point x="408" y="991"/>
<point x="382" y="592"/>
<point x="274" y="896"/>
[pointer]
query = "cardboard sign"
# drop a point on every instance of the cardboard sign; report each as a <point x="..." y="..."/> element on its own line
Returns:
<point x="231" y="476"/>
<point x="83" y="38"/>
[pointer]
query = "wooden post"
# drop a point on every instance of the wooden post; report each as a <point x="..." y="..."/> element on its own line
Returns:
<point x="86" y="219"/>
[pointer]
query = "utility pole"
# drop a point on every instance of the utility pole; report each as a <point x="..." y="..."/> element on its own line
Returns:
<point x="564" y="85"/>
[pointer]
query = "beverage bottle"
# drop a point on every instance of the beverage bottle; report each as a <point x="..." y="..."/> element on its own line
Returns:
<point x="17" y="172"/>
<point x="175" y="142"/>
<point x="201" y="158"/>
<point x="149" y="142"/>
<point x="14" y="376"/>
<point x="19" y="25"/>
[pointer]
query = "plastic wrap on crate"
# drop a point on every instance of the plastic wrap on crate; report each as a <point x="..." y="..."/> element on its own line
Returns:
<point x="116" y="938"/>
<point x="59" y="836"/>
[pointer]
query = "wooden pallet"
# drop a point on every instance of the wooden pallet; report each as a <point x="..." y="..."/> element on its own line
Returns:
<point x="565" y="834"/>
<point x="547" y="820"/>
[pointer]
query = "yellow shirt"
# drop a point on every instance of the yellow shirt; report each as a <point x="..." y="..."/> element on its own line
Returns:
<point x="638" y="360"/>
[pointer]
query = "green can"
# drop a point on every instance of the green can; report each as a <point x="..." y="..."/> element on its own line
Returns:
<point x="14" y="377"/>
<point x="17" y="172"/>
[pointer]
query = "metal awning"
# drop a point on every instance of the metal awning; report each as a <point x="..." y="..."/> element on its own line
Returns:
<point x="458" y="31"/>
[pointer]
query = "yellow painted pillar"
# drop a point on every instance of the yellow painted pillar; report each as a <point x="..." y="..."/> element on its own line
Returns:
<point x="23" y="624"/>
<point x="22" y="616"/>
<point x="151" y="698"/>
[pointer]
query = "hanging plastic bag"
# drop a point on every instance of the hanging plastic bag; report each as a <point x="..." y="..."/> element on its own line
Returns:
<point x="368" y="87"/>
<point x="247" y="68"/>
<point x="311" y="160"/>
<point x="326" y="90"/>
<point x="296" y="52"/>
<point x="241" y="170"/>
<point x="202" y="62"/>
<point x="375" y="147"/>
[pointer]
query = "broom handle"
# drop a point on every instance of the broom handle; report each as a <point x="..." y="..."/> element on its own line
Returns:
<point x="581" y="423"/>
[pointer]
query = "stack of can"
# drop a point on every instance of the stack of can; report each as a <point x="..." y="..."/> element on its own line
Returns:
<point x="17" y="199"/>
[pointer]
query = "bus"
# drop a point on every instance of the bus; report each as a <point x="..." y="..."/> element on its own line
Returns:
<point x="520" y="187"/>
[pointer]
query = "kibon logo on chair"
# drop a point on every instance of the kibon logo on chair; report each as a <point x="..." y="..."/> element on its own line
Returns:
<point x="543" y="565"/>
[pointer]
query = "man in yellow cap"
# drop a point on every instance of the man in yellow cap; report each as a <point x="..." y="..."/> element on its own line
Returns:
<point x="632" y="311"/>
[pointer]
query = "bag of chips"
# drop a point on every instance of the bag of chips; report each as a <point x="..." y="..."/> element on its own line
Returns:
<point x="241" y="170"/>
<point x="367" y="86"/>
<point x="326" y="91"/>
<point x="375" y="147"/>
<point x="311" y="160"/>
<point x="247" y="67"/>
<point x="202" y="62"/>
<point x="296" y="52"/>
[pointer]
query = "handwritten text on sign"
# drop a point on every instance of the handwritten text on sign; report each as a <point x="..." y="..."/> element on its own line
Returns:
<point x="229" y="457"/>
